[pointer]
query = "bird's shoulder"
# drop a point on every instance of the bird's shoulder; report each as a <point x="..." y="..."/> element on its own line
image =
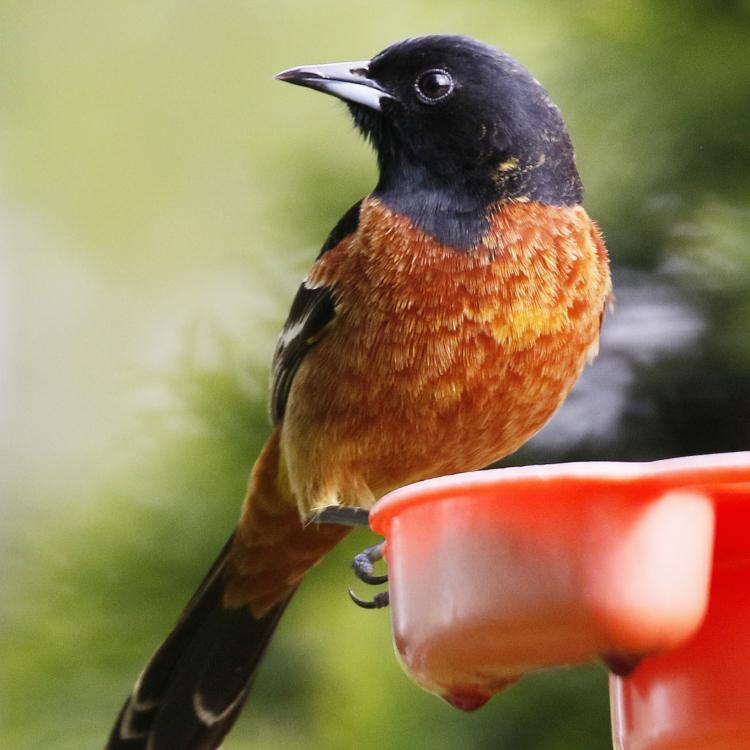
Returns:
<point x="312" y="309"/>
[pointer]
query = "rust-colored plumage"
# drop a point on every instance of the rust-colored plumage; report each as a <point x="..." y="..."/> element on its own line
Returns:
<point x="273" y="547"/>
<point x="441" y="361"/>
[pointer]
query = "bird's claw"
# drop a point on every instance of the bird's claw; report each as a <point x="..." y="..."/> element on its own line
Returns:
<point x="363" y="566"/>
<point x="378" y="601"/>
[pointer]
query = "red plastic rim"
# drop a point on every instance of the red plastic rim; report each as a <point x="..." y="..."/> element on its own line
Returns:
<point x="685" y="472"/>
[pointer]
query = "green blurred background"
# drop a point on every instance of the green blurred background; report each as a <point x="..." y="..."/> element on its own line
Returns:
<point x="161" y="197"/>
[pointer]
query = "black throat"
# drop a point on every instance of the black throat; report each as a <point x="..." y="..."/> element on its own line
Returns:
<point x="448" y="204"/>
<point x="454" y="214"/>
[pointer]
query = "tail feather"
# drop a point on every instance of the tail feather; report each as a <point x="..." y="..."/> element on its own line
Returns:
<point x="191" y="692"/>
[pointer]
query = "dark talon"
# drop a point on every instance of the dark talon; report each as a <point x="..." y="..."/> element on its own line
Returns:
<point x="372" y="580"/>
<point x="377" y="602"/>
<point x="363" y="565"/>
<point x="343" y="515"/>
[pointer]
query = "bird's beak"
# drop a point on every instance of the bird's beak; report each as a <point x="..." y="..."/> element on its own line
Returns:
<point x="347" y="81"/>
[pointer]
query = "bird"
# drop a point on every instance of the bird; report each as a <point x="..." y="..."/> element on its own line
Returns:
<point x="445" y="319"/>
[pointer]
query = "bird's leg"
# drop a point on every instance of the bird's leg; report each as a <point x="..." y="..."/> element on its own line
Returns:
<point x="363" y="566"/>
<point x="363" y="562"/>
<point x="343" y="515"/>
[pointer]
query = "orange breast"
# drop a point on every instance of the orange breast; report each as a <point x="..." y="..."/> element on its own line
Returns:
<point x="441" y="360"/>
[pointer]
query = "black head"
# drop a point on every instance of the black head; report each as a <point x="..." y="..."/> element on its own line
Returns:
<point x="457" y="126"/>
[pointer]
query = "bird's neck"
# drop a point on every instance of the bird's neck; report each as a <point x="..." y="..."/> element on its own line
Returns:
<point x="452" y="211"/>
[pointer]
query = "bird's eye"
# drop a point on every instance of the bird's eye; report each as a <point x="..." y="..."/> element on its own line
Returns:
<point x="434" y="85"/>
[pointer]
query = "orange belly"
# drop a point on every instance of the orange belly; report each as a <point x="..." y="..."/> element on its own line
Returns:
<point x="441" y="361"/>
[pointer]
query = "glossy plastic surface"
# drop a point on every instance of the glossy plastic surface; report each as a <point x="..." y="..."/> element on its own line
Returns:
<point x="697" y="697"/>
<point x="496" y="573"/>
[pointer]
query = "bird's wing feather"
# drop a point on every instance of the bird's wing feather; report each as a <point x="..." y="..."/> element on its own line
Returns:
<point x="313" y="308"/>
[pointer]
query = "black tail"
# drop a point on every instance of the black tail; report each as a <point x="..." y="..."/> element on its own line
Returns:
<point x="191" y="692"/>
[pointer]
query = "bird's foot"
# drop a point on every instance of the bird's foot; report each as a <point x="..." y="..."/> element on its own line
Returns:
<point x="363" y="567"/>
<point x="363" y="562"/>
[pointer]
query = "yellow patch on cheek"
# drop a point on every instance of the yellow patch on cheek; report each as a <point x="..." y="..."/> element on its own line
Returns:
<point x="506" y="166"/>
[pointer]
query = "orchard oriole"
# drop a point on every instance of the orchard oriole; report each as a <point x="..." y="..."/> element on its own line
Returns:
<point x="445" y="320"/>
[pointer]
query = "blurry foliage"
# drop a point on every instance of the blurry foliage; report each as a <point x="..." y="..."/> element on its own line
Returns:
<point x="160" y="197"/>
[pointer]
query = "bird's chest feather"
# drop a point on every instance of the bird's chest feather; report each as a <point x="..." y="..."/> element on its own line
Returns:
<point x="415" y="315"/>
<point x="467" y="352"/>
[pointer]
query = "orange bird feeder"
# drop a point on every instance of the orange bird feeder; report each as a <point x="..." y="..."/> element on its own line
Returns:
<point x="497" y="573"/>
<point x="697" y="697"/>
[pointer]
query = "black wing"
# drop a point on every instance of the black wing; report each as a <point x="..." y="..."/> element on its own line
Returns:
<point x="312" y="310"/>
